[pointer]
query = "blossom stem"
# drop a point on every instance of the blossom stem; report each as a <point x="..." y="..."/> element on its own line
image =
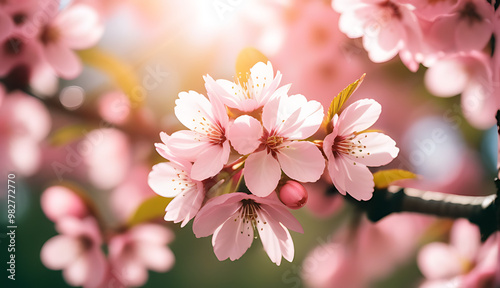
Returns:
<point x="480" y="210"/>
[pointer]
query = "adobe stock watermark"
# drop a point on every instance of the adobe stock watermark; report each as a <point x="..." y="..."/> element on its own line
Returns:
<point x="75" y="156"/>
<point x="223" y="7"/>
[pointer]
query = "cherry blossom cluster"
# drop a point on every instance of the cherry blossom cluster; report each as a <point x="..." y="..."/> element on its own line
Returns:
<point x="452" y="38"/>
<point x="251" y="131"/>
<point x="37" y="38"/>
<point x="77" y="250"/>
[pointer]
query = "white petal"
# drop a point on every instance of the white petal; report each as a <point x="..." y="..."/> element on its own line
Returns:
<point x="194" y="111"/>
<point x="374" y="149"/>
<point x="167" y="179"/>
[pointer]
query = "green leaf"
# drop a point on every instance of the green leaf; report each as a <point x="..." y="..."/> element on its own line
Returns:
<point x="152" y="208"/>
<point x="340" y="99"/>
<point x="384" y="178"/>
<point x="246" y="59"/>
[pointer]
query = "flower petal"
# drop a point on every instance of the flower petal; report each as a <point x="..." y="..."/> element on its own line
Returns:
<point x="59" y="251"/>
<point x="233" y="238"/>
<point x="155" y="257"/>
<point x="215" y="212"/>
<point x="80" y="26"/>
<point x="194" y="111"/>
<point x="262" y="173"/>
<point x="466" y="239"/>
<point x="378" y="149"/>
<point x="275" y="238"/>
<point x="359" y="116"/>
<point x="302" y="161"/>
<point x="186" y="205"/>
<point x="187" y="144"/>
<point x="244" y="134"/>
<point x="306" y="119"/>
<point x="63" y="60"/>
<point x="351" y="177"/>
<point x="438" y="261"/>
<point x="280" y="213"/>
<point x="210" y="161"/>
<point x="166" y="178"/>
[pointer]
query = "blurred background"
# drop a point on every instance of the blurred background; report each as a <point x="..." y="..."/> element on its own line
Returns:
<point x="93" y="131"/>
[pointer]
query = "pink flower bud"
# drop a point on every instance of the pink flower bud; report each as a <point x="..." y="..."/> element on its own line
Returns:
<point x="59" y="202"/>
<point x="293" y="195"/>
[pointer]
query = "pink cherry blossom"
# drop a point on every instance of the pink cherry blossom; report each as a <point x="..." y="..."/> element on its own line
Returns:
<point x="76" y="27"/>
<point x="430" y="9"/>
<point x="206" y="144"/>
<point x="76" y="251"/>
<point x="142" y="247"/>
<point x="471" y="75"/>
<point x="173" y="179"/>
<point x="59" y="202"/>
<point x="461" y="261"/>
<point x="467" y="27"/>
<point x="285" y="119"/>
<point x="350" y="150"/>
<point x="260" y="88"/>
<point x="387" y="28"/>
<point x="21" y="135"/>
<point x="233" y="218"/>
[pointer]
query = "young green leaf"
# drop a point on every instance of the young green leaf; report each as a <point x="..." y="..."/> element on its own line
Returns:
<point x="384" y="178"/>
<point x="152" y="208"/>
<point x="340" y="99"/>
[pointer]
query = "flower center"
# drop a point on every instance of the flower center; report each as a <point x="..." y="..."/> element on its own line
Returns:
<point x="248" y="88"/>
<point x="49" y="35"/>
<point x="19" y="18"/>
<point x="86" y="242"/>
<point x="346" y="145"/>
<point x="13" y="46"/>
<point x="392" y="9"/>
<point x="248" y="214"/>
<point x="469" y="13"/>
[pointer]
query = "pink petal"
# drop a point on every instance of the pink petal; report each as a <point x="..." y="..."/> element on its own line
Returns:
<point x="466" y="239"/>
<point x="302" y="161"/>
<point x="233" y="238"/>
<point x="307" y="121"/>
<point x="244" y="134"/>
<point x="479" y="103"/>
<point x="378" y="149"/>
<point x="164" y="179"/>
<point x="194" y="111"/>
<point x="131" y="272"/>
<point x="215" y="212"/>
<point x="359" y="116"/>
<point x="263" y="81"/>
<point x="80" y="26"/>
<point x="58" y="202"/>
<point x="228" y="92"/>
<point x="185" y="143"/>
<point x="275" y="238"/>
<point x="447" y="77"/>
<point x="473" y="34"/>
<point x="63" y="60"/>
<point x="351" y="177"/>
<point x="151" y="233"/>
<point x="155" y="257"/>
<point x="439" y="261"/>
<point x="262" y="173"/>
<point x="77" y="273"/>
<point x="6" y="26"/>
<point x="98" y="268"/>
<point x="185" y="206"/>
<point x="210" y="161"/>
<point x="378" y="50"/>
<point x="280" y="213"/>
<point x="60" y="251"/>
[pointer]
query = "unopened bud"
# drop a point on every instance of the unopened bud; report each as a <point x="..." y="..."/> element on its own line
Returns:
<point x="293" y="195"/>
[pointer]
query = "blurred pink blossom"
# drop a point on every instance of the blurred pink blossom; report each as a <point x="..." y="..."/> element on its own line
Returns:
<point x="205" y="143"/>
<point x="286" y="120"/>
<point x="461" y="261"/>
<point x="59" y="202"/>
<point x="172" y="179"/>
<point x="430" y="10"/>
<point x="138" y="250"/>
<point x="323" y="201"/>
<point x="77" y="26"/>
<point x="467" y="27"/>
<point x="24" y="123"/>
<point x="114" y="107"/>
<point x="232" y="219"/>
<point x="471" y="75"/>
<point x="357" y="258"/>
<point x="387" y="28"/>
<point x="350" y="150"/>
<point x="76" y="251"/>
